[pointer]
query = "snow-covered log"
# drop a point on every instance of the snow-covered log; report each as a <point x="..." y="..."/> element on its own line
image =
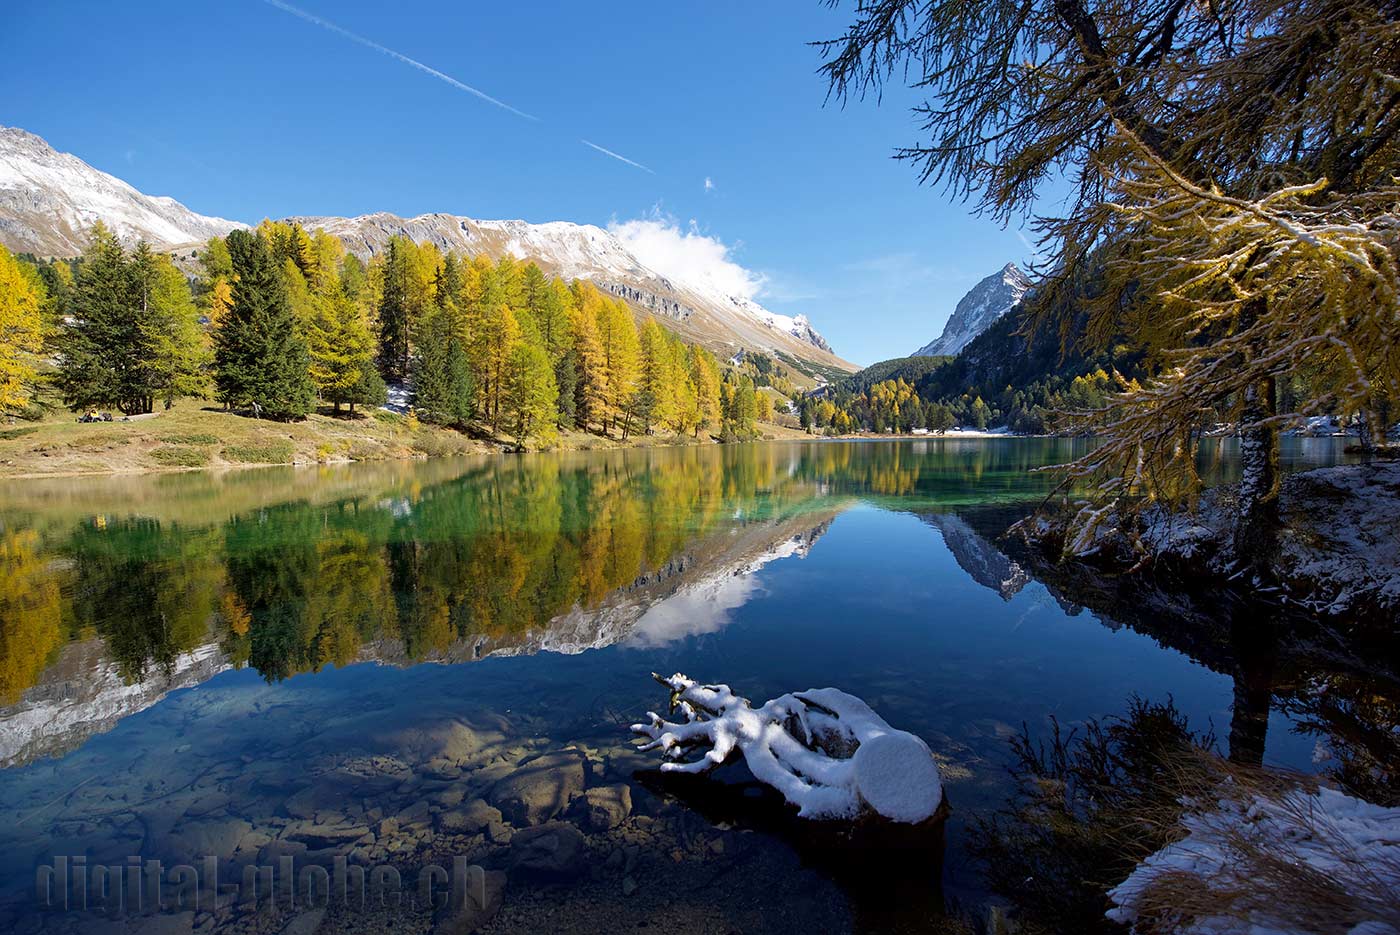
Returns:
<point x="826" y="751"/>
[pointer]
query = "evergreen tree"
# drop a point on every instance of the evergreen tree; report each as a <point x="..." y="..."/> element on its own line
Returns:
<point x="260" y="359"/>
<point x="393" y="311"/>
<point x="21" y="334"/>
<point x="134" y="337"/>
<point x="445" y="390"/>
<point x="369" y="390"/>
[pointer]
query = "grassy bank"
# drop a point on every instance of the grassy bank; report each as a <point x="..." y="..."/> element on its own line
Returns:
<point x="193" y="436"/>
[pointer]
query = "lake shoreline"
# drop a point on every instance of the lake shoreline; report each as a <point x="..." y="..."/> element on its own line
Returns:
<point x="191" y="437"/>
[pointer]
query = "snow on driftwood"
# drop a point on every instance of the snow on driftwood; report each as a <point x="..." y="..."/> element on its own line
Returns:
<point x="826" y="751"/>
<point x="1262" y="864"/>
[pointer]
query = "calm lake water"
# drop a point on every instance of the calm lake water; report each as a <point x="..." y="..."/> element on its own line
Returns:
<point x="368" y="660"/>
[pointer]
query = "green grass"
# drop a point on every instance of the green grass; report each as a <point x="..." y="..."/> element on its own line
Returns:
<point x="178" y="456"/>
<point x="191" y="438"/>
<point x="270" y="452"/>
<point x="10" y="434"/>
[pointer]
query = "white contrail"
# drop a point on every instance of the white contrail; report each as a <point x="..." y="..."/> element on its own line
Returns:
<point x="608" y="152"/>
<point x="353" y="37"/>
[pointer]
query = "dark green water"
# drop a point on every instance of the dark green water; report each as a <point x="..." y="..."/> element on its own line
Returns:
<point x="187" y="661"/>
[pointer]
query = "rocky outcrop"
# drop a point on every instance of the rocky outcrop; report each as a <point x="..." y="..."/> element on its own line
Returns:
<point x="987" y="301"/>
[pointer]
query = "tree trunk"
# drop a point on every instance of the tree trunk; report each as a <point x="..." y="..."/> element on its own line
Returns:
<point x="1256" y="525"/>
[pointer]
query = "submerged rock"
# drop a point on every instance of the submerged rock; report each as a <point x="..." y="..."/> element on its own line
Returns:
<point x="555" y="849"/>
<point x="477" y="912"/>
<point x="603" y="808"/>
<point x="540" y="788"/>
<point x="476" y="816"/>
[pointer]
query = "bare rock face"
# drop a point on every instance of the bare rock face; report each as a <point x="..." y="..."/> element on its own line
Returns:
<point x="540" y="788"/>
<point x="987" y="301"/>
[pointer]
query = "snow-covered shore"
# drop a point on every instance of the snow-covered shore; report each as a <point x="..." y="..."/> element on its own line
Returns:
<point x="1254" y="863"/>
<point x="1337" y="552"/>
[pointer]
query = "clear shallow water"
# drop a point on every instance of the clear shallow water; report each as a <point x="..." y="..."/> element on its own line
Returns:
<point x="234" y="664"/>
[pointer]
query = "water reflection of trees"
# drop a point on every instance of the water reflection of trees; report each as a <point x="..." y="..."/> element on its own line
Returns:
<point x="499" y="550"/>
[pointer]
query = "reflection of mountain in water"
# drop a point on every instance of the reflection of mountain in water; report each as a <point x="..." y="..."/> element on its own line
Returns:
<point x="976" y="555"/>
<point x="87" y="692"/>
<point x="84" y="694"/>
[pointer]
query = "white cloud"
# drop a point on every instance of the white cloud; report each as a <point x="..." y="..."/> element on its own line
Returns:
<point x="688" y="257"/>
<point x="709" y="184"/>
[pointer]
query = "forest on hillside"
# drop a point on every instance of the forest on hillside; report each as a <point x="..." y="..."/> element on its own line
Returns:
<point x="277" y="321"/>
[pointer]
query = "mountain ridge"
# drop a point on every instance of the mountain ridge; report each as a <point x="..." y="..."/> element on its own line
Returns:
<point x="49" y="200"/>
<point x="984" y="303"/>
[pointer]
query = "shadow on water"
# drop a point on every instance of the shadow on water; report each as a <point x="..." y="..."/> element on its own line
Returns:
<point x="892" y="874"/>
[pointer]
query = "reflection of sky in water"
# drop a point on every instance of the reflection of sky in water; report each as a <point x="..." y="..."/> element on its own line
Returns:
<point x="872" y="601"/>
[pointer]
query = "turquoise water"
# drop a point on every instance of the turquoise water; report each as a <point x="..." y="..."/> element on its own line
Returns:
<point x="273" y="662"/>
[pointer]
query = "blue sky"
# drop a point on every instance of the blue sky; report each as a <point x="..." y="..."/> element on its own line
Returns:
<point x="243" y="109"/>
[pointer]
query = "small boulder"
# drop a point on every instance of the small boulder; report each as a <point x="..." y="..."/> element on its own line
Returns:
<point x="553" y="850"/>
<point x="603" y="808"/>
<point x="476" y="816"/>
<point x="540" y="788"/>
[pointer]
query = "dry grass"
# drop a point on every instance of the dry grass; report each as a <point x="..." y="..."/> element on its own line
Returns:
<point x="1261" y="879"/>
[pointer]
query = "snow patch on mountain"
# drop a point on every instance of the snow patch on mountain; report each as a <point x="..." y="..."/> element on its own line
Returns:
<point x="990" y="299"/>
<point x="49" y="200"/>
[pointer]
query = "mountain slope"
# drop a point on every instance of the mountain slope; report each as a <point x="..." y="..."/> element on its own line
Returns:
<point x="697" y="311"/>
<point x="48" y="200"/>
<point x="987" y="301"/>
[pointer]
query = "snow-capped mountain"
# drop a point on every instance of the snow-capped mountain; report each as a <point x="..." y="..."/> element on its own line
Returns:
<point x="699" y="310"/>
<point x="990" y="299"/>
<point x="49" y="200"/>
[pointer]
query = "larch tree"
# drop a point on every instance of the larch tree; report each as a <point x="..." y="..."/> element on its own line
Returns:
<point x="497" y="332"/>
<point x="21" y="335"/>
<point x="529" y="395"/>
<point x="656" y="388"/>
<point x="178" y="353"/>
<point x="589" y="370"/>
<point x="1234" y="201"/>
<point x="704" y="373"/>
<point x="620" y="358"/>
<point x="339" y="344"/>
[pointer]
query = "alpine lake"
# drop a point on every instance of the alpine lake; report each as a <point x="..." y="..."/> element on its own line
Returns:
<point x="407" y="664"/>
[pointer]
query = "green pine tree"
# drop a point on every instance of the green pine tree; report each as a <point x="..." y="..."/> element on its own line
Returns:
<point x="260" y="359"/>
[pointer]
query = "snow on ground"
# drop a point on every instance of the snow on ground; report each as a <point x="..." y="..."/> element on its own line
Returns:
<point x="1326" y="834"/>
<point x="1340" y="544"/>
